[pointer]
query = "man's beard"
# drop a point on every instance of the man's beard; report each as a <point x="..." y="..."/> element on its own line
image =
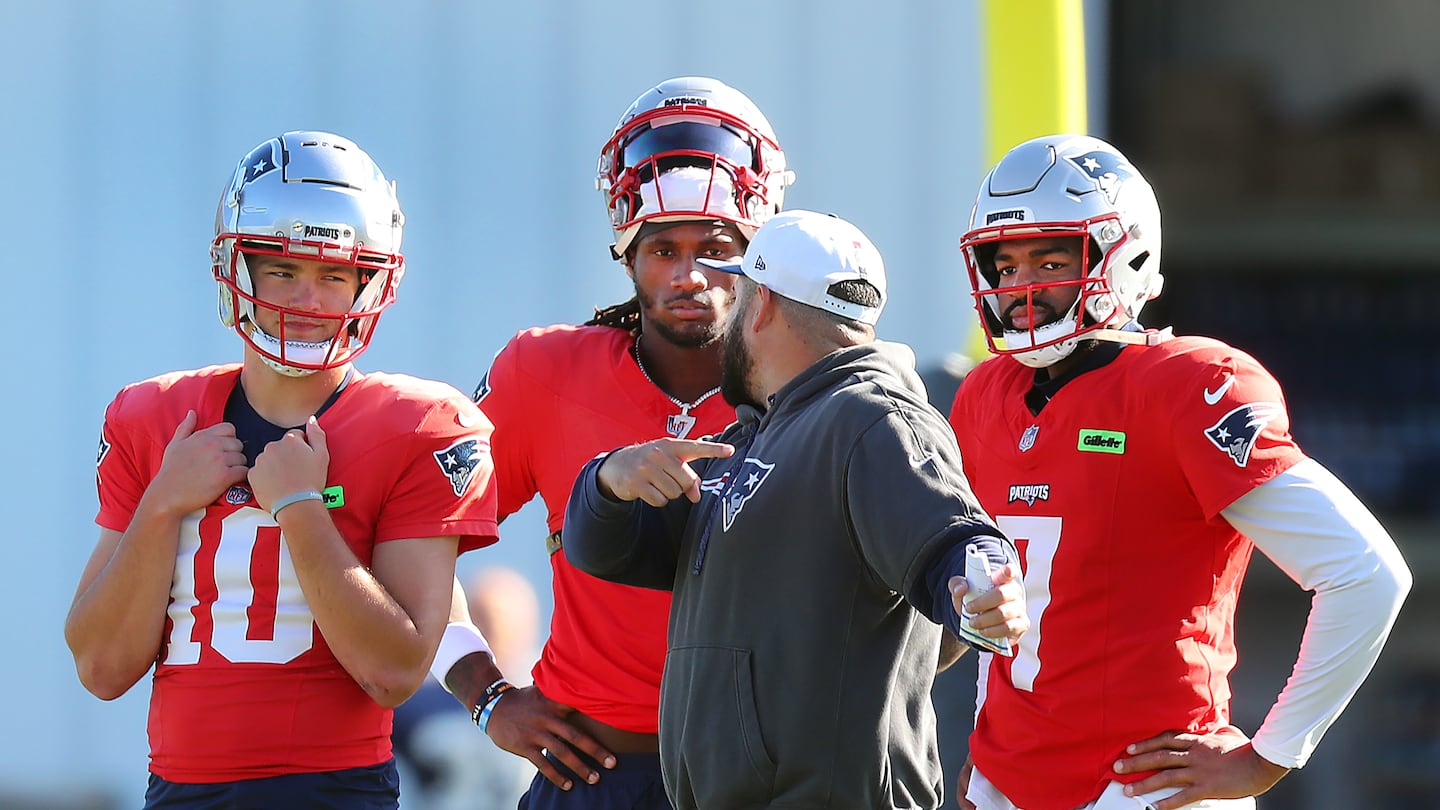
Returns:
<point x="695" y="337"/>
<point x="736" y="365"/>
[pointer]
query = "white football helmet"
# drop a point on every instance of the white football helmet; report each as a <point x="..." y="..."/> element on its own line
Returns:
<point x="1066" y="185"/>
<point x="308" y="195"/>
<point x="691" y="148"/>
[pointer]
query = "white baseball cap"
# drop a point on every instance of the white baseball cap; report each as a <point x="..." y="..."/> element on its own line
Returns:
<point x="799" y="254"/>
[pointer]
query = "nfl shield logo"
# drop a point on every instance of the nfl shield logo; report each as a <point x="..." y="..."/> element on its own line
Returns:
<point x="1027" y="439"/>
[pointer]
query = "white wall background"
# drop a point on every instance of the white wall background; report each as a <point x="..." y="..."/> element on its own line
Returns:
<point x="122" y="121"/>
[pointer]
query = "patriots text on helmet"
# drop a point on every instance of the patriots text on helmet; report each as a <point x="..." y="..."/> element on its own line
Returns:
<point x="1015" y="214"/>
<point x="322" y="231"/>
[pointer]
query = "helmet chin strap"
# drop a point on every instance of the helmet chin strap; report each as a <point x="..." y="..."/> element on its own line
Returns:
<point x="1148" y="337"/>
<point x="313" y="353"/>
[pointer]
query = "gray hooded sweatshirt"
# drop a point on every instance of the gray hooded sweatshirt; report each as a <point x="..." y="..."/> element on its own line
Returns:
<point x="807" y="582"/>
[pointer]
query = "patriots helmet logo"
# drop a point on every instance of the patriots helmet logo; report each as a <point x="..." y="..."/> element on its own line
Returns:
<point x="746" y="480"/>
<point x="1237" y="430"/>
<point x="459" y="462"/>
<point x="1108" y="169"/>
<point x="258" y="162"/>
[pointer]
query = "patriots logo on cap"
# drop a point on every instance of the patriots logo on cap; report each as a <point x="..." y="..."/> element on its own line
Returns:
<point x="459" y="462"/>
<point x="1107" y="169"/>
<point x="747" y="478"/>
<point x="1237" y="430"/>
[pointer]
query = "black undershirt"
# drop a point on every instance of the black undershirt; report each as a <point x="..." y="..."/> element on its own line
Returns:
<point x="253" y="430"/>
<point x="1100" y="353"/>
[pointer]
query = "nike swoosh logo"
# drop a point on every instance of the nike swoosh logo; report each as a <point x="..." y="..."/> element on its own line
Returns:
<point x="1212" y="397"/>
<point x="918" y="463"/>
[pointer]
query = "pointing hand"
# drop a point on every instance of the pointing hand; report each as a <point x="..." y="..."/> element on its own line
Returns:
<point x="656" y="472"/>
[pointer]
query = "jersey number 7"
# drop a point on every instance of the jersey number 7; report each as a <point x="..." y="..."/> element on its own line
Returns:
<point x="1037" y="538"/>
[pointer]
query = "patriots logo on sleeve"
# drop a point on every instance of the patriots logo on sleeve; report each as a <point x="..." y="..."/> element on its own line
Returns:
<point x="483" y="389"/>
<point x="1107" y="169"/>
<point x="103" y="451"/>
<point x="1237" y="430"/>
<point x="748" y="477"/>
<point x="459" y="462"/>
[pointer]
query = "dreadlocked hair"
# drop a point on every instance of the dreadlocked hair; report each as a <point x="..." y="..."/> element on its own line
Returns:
<point x="621" y="316"/>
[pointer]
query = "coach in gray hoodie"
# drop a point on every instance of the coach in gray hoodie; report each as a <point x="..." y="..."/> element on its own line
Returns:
<point x="813" y="548"/>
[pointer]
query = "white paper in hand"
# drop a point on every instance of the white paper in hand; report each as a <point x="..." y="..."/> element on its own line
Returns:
<point x="978" y="578"/>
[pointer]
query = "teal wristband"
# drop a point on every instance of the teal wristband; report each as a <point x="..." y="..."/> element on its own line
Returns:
<point x="291" y="500"/>
<point x="483" y="721"/>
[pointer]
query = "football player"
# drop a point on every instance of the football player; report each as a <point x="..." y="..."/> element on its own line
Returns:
<point x="1137" y="471"/>
<point x="278" y="536"/>
<point x="692" y="170"/>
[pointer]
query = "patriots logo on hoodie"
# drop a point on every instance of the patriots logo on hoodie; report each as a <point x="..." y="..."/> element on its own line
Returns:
<point x="1237" y="430"/>
<point x="742" y="485"/>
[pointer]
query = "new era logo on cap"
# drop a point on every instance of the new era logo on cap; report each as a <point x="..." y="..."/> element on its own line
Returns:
<point x="800" y="254"/>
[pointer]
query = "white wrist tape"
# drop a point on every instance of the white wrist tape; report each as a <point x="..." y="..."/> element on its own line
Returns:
<point x="459" y="640"/>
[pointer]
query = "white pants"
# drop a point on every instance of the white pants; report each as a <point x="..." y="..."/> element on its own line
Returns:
<point x="986" y="796"/>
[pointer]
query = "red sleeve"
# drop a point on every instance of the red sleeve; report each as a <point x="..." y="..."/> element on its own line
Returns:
<point x="1230" y="426"/>
<point x="502" y="396"/>
<point x="447" y="484"/>
<point x="122" y="468"/>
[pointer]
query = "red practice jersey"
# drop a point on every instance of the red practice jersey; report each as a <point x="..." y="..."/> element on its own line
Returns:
<point x="245" y="686"/>
<point x="1113" y="496"/>
<point x="559" y="396"/>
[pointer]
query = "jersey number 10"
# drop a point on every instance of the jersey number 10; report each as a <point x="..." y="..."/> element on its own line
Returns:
<point x="234" y="579"/>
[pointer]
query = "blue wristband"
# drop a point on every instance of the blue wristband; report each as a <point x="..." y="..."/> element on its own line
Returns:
<point x="484" y="720"/>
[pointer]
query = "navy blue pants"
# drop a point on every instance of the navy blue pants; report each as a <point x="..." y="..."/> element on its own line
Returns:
<point x="634" y="784"/>
<point x="374" y="788"/>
